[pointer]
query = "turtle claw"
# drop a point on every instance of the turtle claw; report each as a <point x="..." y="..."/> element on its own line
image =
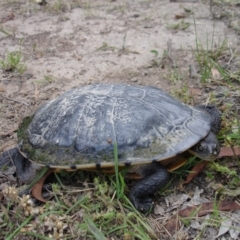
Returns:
<point x="38" y="186"/>
<point x="143" y="205"/>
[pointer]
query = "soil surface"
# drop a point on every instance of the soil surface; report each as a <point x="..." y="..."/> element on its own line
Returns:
<point x="75" y="43"/>
<point x="68" y="44"/>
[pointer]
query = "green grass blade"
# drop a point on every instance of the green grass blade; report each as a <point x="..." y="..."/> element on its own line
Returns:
<point x="38" y="236"/>
<point x="38" y="177"/>
<point x="93" y="229"/>
<point x="74" y="205"/>
<point x="11" y="236"/>
<point x="116" y="169"/>
<point x="4" y="32"/>
<point x="117" y="228"/>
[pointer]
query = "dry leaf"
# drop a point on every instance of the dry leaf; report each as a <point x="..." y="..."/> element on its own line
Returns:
<point x="173" y="224"/>
<point x="180" y="16"/>
<point x="235" y="229"/>
<point x="158" y="210"/>
<point x="195" y="171"/>
<point x="37" y="188"/>
<point x="196" y="91"/>
<point x="229" y="152"/>
<point x="209" y="207"/>
<point x="225" y="226"/>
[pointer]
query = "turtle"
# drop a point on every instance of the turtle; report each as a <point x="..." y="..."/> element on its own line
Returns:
<point x="153" y="132"/>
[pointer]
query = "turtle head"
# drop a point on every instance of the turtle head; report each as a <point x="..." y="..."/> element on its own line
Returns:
<point x="208" y="148"/>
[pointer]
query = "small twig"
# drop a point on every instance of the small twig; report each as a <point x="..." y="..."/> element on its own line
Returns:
<point x="192" y="71"/>
<point x="169" y="47"/>
<point x="207" y="101"/>
<point x="230" y="50"/>
<point x="169" y="51"/>
<point x="10" y="99"/>
<point x="124" y="41"/>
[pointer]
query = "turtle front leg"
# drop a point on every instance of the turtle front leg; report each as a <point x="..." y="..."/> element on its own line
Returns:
<point x="155" y="176"/>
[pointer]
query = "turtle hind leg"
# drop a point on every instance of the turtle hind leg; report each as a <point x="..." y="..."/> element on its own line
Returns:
<point x="13" y="157"/>
<point x="155" y="176"/>
<point x="5" y="158"/>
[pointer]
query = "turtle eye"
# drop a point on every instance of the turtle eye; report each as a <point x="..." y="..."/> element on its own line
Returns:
<point x="200" y="147"/>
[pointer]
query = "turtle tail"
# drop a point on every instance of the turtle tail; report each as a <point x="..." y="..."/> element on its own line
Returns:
<point x="23" y="166"/>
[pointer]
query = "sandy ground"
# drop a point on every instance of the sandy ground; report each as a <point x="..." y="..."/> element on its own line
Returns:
<point x="71" y="44"/>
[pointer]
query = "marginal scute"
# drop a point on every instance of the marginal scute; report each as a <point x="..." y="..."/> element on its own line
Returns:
<point x="81" y="126"/>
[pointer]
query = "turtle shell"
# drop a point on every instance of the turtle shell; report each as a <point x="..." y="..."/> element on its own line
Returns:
<point x="80" y="127"/>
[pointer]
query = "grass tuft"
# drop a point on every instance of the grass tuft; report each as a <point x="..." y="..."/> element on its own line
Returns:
<point x="210" y="58"/>
<point x="13" y="63"/>
<point x="182" y="25"/>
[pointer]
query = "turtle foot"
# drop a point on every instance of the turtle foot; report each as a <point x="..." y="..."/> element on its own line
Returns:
<point x="155" y="176"/>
